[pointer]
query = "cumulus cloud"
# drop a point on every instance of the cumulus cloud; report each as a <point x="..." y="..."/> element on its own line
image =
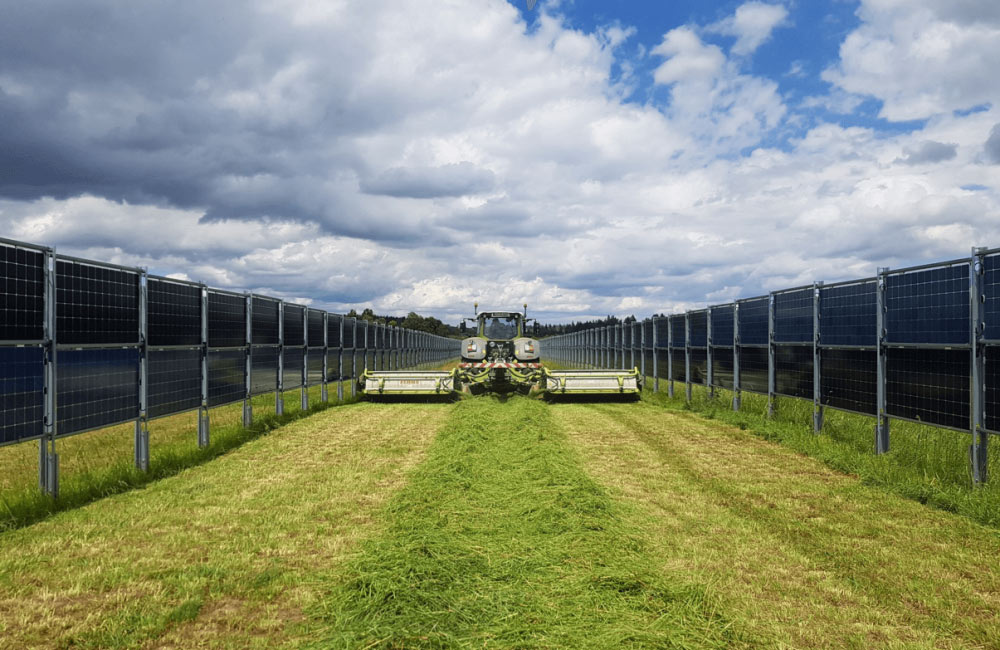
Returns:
<point x="928" y="151"/>
<point x="752" y="25"/>
<point x="922" y="57"/>
<point x="457" y="179"/>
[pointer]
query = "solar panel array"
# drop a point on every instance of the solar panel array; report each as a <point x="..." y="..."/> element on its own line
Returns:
<point x="823" y="344"/>
<point x="119" y="345"/>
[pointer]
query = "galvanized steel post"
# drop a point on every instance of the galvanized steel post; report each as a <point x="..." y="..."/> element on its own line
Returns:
<point x="882" y="426"/>
<point x="687" y="356"/>
<point x="817" y="361"/>
<point x="248" y="365"/>
<point x="324" y="391"/>
<point x="142" y="422"/>
<point x="772" y="388"/>
<point x="708" y="354"/>
<point x="978" y="451"/>
<point x="304" y="391"/>
<point x="48" y="459"/>
<point x="670" y="356"/>
<point x="279" y="399"/>
<point x="203" y="421"/>
<point x="737" y="390"/>
<point x="656" y="353"/>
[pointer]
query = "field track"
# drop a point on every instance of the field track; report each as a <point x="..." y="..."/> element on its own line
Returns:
<point x="502" y="524"/>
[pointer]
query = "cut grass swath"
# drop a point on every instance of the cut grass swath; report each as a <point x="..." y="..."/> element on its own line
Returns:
<point x="500" y="539"/>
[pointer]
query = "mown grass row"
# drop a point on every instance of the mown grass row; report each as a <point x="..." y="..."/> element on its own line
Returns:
<point x="925" y="463"/>
<point x="101" y="463"/>
<point x="501" y="539"/>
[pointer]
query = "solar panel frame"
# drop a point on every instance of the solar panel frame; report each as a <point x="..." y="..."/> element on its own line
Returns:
<point x="316" y="328"/>
<point x="793" y="371"/>
<point x="754" y="369"/>
<point x="753" y="315"/>
<point x="334" y="324"/>
<point x="264" y="321"/>
<point x="848" y="314"/>
<point x="174" y="381"/>
<point x="173" y="312"/>
<point x="22" y="380"/>
<point x="678" y="332"/>
<point x="226" y="376"/>
<point x="723" y="324"/>
<point x="227" y="319"/>
<point x="698" y="332"/>
<point x="294" y="324"/>
<point x="96" y="304"/>
<point x="793" y="316"/>
<point x="87" y="399"/>
<point x="991" y="384"/>
<point x="849" y="380"/>
<point x="264" y="369"/>
<point x="22" y="293"/>
<point x="991" y="293"/>
<point x="940" y="397"/>
<point x="699" y="365"/>
<point x="722" y="366"/>
<point x="929" y="305"/>
<point x="292" y="367"/>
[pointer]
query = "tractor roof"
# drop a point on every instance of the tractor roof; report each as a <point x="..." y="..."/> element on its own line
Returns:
<point x="499" y="314"/>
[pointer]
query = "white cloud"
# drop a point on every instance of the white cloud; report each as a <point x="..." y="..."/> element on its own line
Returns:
<point x="922" y="57"/>
<point x="752" y="25"/>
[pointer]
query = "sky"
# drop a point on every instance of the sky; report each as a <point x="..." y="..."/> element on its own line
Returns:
<point x="587" y="157"/>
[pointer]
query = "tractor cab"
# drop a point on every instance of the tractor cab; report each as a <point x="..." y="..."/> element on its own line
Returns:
<point x="500" y="325"/>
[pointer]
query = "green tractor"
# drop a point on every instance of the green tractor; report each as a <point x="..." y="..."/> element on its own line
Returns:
<point x="501" y="358"/>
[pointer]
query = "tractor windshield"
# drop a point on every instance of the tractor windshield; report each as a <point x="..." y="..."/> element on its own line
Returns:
<point x="497" y="328"/>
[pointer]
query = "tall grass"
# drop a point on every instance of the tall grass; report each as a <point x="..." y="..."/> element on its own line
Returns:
<point x="925" y="463"/>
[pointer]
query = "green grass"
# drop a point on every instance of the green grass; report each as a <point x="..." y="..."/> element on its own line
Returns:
<point x="925" y="463"/>
<point x="500" y="539"/>
<point x="100" y="463"/>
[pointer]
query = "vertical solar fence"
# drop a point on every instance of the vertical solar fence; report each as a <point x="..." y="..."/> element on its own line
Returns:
<point x="85" y="345"/>
<point x="920" y="344"/>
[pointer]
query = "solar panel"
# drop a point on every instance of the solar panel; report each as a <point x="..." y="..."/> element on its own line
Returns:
<point x="174" y="381"/>
<point x="315" y="368"/>
<point x="662" y="363"/>
<point x="793" y="316"/>
<point x="793" y="371"/>
<point x="849" y="380"/>
<point x="173" y="313"/>
<point x="295" y="317"/>
<point x="264" y="370"/>
<point x="333" y="330"/>
<point x="929" y="385"/>
<point x="698" y="324"/>
<point x="264" y="327"/>
<point x="679" y="368"/>
<point x="722" y="367"/>
<point x="848" y="314"/>
<point x="316" y="328"/>
<point x="96" y="304"/>
<point x="753" y="317"/>
<point x="96" y="388"/>
<point x="292" y="368"/>
<point x="699" y="366"/>
<point x="226" y="380"/>
<point x="227" y="320"/>
<point x="722" y="325"/>
<point x="991" y="289"/>
<point x="22" y="294"/>
<point x="753" y="368"/>
<point x="677" y="331"/>
<point x="21" y="384"/>
<point x="930" y="306"/>
<point x="647" y="333"/>
<point x="333" y="364"/>
<point x="662" y="326"/>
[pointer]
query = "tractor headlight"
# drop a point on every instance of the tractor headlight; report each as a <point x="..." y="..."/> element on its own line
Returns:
<point x="472" y="348"/>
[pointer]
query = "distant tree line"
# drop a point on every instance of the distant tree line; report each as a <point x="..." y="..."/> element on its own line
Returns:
<point x="413" y="321"/>
<point x="579" y="326"/>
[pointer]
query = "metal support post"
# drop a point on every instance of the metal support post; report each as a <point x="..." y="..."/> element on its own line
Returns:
<point x="642" y="349"/>
<point x="817" y="361"/>
<point x="882" y="427"/>
<point x="304" y="391"/>
<point x="324" y="390"/>
<point x="203" y="424"/>
<point x="247" y="404"/>
<point x="340" y="364"/>
<point x="980" y="438"/>
<point x="48" y="459"/>
<point x="142" y="423"/>
<point x="670" y="358"/>
<point x="737" y="390"/>
<point x="279" y="398"/>
<point x="687" y="356"/>
<point x="354" y="357"/>
<point x="708" y="354"/>
<point x="656" y="364"/>
<point x="772" y="387"/>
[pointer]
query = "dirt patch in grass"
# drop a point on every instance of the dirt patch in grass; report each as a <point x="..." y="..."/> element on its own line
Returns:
<point x="242" y="535"/>
<point x="798" y="553"/>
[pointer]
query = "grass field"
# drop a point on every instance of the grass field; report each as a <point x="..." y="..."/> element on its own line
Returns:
<point x="503" y="524"/>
